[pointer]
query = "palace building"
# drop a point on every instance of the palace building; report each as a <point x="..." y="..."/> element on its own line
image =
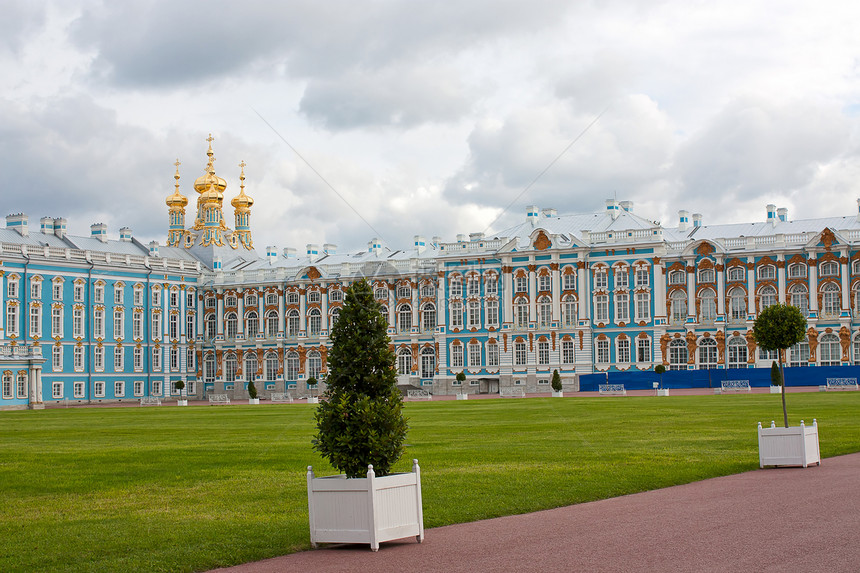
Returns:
<point x="98" y="319"/>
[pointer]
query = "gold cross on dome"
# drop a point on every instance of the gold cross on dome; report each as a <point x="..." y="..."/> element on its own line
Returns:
<point x="177" y="164"/>
<point x="210" y="139"/>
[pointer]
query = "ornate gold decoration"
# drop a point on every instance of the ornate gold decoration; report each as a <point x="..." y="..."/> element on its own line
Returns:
<point x="542" y="242"/>
<point x="828" y="238"/>
<point x="705" y="249"/>
<point x="751" y="345"/>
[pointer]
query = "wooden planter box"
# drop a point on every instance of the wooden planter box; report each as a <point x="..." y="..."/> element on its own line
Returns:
<point x="776" y="389"/>
<point x="313" y="400"/>
<point x="365" y="510"/>
<point x="794" y="446"/>
<point x="662" y="391"/>
<point x="559" y="394"/>
<point x="182" y="402"/>
<point x="253" y="400"/>
<point x="462" y="396"/>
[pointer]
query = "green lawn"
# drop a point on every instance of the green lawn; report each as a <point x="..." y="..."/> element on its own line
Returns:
<point x="188" y="489"/>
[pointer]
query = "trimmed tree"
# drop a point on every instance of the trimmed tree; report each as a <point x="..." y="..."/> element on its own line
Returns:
<point x="556" y="381"/>
<point x="775" y="377"/>
<point x="779" y="327"/>
<point x="660" y="369"/>
<point x="360" y="420"/>
<point x="252" y="390"/>
<point x="312" y="384"/>
<point x="460" y="377"/>
<point x="180" y="386"/>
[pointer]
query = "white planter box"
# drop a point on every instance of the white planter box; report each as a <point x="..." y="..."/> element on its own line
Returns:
<point x="559" y="394"/>
<point x="662" y="391"/>
<point x="313" y="400"/>
<point x="182" y="402"/>
<point x="775" y="389"/>
<point x="794" y="446"/>
<point x="365" y="510"/>
<point x="253" y="400"/>
<point x="462" y="396"/>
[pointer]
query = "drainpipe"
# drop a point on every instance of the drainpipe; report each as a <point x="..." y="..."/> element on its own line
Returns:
<point x="147" y="358"/>
<point x="89" y="329"/>
<point x="25" y="320"/>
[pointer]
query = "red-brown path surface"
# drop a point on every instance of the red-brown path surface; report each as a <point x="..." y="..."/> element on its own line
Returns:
<point x="772" y="520"/>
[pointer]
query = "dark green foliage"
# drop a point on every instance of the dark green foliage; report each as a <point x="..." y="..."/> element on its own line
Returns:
<point x="556" y="381"/>
<point x="360" y="420"/>
<point x="312" y="381"/>
<point x="179" y="385"/>
<point x="775" y="378"/>
<point x="461" y="377"/>
<point x="660" y="369"/>
<point x="778" y="327"/>
<point x="252" y="390"/>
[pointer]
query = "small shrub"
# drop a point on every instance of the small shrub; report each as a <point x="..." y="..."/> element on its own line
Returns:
<point x="775" y="378"/>
<point x="556" y="381"/>
<point x="252" y="390"/>
<point x="461" y="377"/>
<point x="179" y="385"/>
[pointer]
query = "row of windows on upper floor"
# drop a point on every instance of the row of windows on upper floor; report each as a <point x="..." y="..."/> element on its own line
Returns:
<point x="98" y="358"/>
<point x="763" y="272"/>
<point x="98" y="291"/>
<point x="99" y="323"/>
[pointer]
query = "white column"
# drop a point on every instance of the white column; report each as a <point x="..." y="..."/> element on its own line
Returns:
<point x="281" y="294"/>
<point x="845" y="287"/>
<point x="324" y="310"/>
<point x="240" y="326"/>
<point x="721" y="289"/>
<point x="302" y="318"/>
<point x="813" y="286"/>
<point x="751" y="287"/>
<point x="691" y="290"/>
<point x="659" y="291"/>
<point x="219" y="319"/>
<point x="584" y="292"/>
<point x="780" y="278"/>
<point x="261" y="309"/>
<point x="556" y="293"/>
<point x="415" y="292"/>
<point x="532" y="294"/>
<point x="441" y="307"/>
<point x="508" y="294"/>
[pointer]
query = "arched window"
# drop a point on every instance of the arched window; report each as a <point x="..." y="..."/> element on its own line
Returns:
<point x="829" y="353"/>
<point x="828" y="269"/>
<point x="706" y="276"/>
<point x="521" y="312"/>
<point x="428" y="317"/>
<point x="736" y="273"/>
<point x="544" y="311"/>
<point x="678" y="307"/>
<point x="209" y="367"/>
<point x="383" y="310"/>
<point x="677" y="277"/>
<point x="456" y="314"/>
<point x="250" y="299"/>
<point x="404" y="318"/>
<point x="404" y="361"/>
<point x="271" y="366"/>
<point x="230" y="367"/>
<point x="314" y="364"/>
<point x="568" y="310"/>
<point x="230" y="325"/>
<point x="830" y="299"/>
<point x="737" y="352"/>
<point x="251" y="366"/>
<point x="798" y="355"/>
<point x="737" y="305"/>
<point x="520" y="356"/>
<point x="252" y="324"/>
<point x="428" y="363"/>
<point x="768" y="296"/>
<point x="800" y="298"/>
<point x="708" y="353"/>
<point x="314" y="322"/>
<point x="767" y="272"/>
<point x="293" y="323"/>
<point x="292" y="366"/>
<point x="796" y="271"/>
<point x="678" y="354"/>
<point x="272" y="323"/>
<point x="707" y="306"/>
<point x="335" y="314"/>
<point x="211" y="326"/>
<point x="230" y="300"/>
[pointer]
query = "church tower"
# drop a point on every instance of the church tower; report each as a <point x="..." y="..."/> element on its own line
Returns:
<point x="210" y="216"/>
<point x="176" y="210"/>
<point x="242" y="204"/>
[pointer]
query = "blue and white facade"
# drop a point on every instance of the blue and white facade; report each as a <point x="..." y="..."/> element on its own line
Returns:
<point x="89" y="319"/>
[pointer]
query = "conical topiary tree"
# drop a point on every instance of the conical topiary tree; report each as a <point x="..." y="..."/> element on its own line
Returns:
<point x="778" y="327"/>
<point x="775" y="378"/>
<point x="252" y="390"/>
<point x="360" y="420"/>
<point x="556" y="381"/>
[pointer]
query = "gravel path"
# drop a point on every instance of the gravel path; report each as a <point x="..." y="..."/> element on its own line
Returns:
<point x="772" y="520"/>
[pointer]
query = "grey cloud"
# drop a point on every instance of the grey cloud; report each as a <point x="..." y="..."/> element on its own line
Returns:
<point x="21" y="19"/>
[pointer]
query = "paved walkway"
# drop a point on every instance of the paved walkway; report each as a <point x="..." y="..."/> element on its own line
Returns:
<point x="774" y="520"/>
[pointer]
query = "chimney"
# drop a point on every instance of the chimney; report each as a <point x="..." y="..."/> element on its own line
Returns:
<point x="374" y="246"/>
<point x="125" y="234"/>
<point x="771" y="214"/>
<point x="419" y="243"/>
<point x="46" y="225"/>
<point x="99" y="231"/>
<point x="18" y="222"/>
<point x="153" y="248"/>
<point x="312" y="251"/>
<point x="627" y="206"/>
<point x="60" y="227"/>
<point x="612" y="208"/>
<point x="461" y="238"/>
<point x="548" y="213"/>
<point x="437" y="240"/>
<point x="474" y="237"/>
<point x="697" y="220"/>
<point x="289" y="252"/>
<point x="330" y="249"/>
<point x="683" y="220"/>
<point x="217" y="265"/>
<point x="782" y="213"/>
<point x="271" y="254"/>
<point x="531" y="214"/>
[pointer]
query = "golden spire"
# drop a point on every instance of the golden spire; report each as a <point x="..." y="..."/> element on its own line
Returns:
<point x="242" y="201"/>
<point x="202" y="184"/>
<point x="177" y="199"/>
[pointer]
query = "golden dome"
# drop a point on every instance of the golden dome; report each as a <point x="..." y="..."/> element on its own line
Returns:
<point x="209" y="179"/>
<point x="211" y="196"/>
<point x="177" y="199"/>
<point x="242" y="201"/>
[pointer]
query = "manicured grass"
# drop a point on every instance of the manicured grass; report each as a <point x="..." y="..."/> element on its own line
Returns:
<point x="188" y="489"/>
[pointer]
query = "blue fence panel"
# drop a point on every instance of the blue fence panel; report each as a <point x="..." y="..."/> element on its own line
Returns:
<point x="713" y="378"/>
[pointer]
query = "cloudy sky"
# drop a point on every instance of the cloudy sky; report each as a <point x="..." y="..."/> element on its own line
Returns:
<point x="408" y="117"/>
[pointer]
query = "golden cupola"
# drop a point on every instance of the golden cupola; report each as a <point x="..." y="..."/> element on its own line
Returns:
<point x="177" y="200"/>
<point x="242" y="202"/>
<point x="176" y="204"/>
<point x="203" y="183"/>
